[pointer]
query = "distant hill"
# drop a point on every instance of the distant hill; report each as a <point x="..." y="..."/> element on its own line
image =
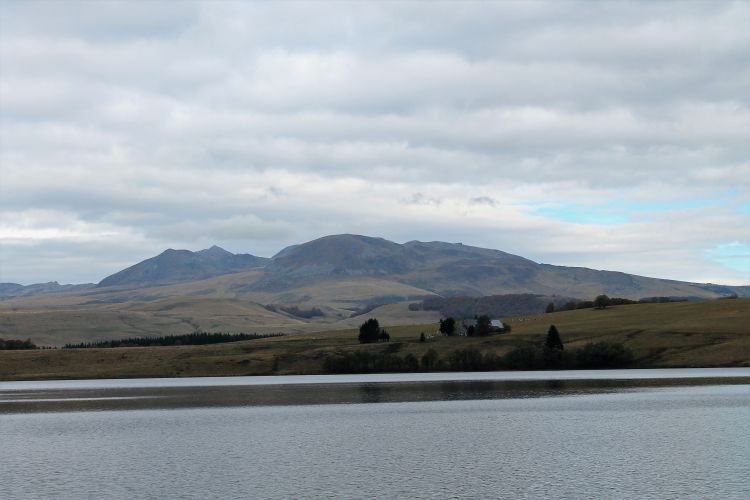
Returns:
<point x="174" y="266"/>
<point x="342" y="278"/>
<point x="456" y="269"/>
<point x="16" y="290"/>
<point x="427" y="268"/>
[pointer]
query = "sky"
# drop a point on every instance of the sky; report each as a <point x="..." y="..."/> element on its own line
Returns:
<point x="610" y="135"/>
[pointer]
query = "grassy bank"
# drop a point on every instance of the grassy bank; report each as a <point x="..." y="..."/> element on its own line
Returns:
<point x="705" y="334"/>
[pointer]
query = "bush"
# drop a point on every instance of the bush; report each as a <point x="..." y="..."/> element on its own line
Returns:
<point x="492" y="361"/>
<point x="603" y="355"/>
<point x="430" y="360"/>
<point x="465" y="360"/>
<point x="523" y="358"/>
<point x="411" y="363"/>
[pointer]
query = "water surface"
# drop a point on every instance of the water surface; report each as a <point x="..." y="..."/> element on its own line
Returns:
<point x="470" y="436"/>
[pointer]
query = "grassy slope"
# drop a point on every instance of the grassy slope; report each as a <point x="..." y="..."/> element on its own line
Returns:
<point x="715" y="333"/>
<point x="213" y="305"/>
<point x="175" y="315"/>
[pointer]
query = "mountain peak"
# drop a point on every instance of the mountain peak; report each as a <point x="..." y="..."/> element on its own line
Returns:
<point x="434" y="266"/>
<point x="342" y="254"/>
<point x="173" y="266"/>
<point x="214" y="251"/>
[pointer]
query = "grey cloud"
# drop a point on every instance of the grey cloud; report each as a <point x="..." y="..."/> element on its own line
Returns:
<point x="483" y="200"/>
<point x="263" y="124"/>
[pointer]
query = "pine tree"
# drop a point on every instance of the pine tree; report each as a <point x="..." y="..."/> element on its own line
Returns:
<point x="369" y="331"/>
<point x="553" y="340"/>
<point x="553" y="348"/>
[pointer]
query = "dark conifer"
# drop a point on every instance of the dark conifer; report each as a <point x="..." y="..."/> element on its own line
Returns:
<point x="553" y="340"/>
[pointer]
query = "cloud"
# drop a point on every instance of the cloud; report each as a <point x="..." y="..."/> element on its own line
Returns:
<point x="568" y="133"/>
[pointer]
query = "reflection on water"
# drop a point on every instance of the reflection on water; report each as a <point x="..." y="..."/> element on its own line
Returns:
<point x="78" y="396"/>
<point x="429" y="440"/>
<point x="644" y="374"/>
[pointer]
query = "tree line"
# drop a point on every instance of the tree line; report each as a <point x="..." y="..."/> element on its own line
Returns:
<point x="549" y="354"/>
<point x="603" y="301"/>
<point x="296" y="311"/>
<point x="195" y="338"/>
<point x="16" y="344"/>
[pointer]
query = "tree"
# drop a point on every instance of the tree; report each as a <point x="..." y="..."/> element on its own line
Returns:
<point x="422" y="338"/>
<point x="411" y="363"/>
<point x="553" y="340"/>
<point x="369" y="331"/>
<point x="384" y="336"/>
<point x="448" y="326"/>
<point x="483" y="325"/>
<point x="522" y="358"/>
<point x="550" y="307"/>
<point x="601" y="301"/>
<point x="465" y="360"/>
<point x="553" y="348"/>
<point x="603" y="355"/>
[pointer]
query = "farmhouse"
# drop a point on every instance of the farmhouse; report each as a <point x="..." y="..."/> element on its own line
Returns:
<point x="467" y="327"/>
<point x="496" y="326"/>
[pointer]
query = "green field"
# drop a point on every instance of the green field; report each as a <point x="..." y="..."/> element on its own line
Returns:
<point x="686" y="334"/>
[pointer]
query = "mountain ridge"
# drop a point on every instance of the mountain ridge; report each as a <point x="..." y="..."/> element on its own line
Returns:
<point x="435" y="267"/>
<point x="343" y="278"/>
<point x="174" y="266"/>
<point x="438" y="267"/>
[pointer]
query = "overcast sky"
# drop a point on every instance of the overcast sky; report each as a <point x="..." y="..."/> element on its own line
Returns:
<point x="607" y="135"/>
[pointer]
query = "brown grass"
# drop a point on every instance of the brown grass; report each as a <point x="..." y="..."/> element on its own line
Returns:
<point x="704" y="334"/>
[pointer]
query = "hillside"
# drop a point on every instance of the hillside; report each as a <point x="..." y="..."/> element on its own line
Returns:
<point x="704" y="334"/>
<point x="8" y="290"/>
<point x="456" y="269"/>
<point x="343" y="276"/>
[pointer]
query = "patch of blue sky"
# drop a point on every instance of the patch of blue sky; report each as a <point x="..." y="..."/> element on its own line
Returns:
<point x="659" y="206"/>
<point x="578" y="214"/>
<point x="621" y="211"/>
<point x="734" y="255"/>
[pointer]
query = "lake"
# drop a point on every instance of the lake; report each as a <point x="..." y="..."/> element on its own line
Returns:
<point x="591" y="434"/>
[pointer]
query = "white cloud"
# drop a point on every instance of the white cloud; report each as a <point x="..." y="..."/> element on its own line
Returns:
<point x="256" y="125"/>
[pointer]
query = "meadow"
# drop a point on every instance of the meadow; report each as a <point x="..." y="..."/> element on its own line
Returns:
<point x="685" y="334"/>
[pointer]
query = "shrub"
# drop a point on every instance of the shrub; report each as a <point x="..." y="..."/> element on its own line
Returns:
<point x="492" y="361"/>
<point x="523" y="358"/>
<point x="603" y="355"/>
<point x="411" y="363"/>
<point x="430" y="360"/>
<point x="465" y="360"/>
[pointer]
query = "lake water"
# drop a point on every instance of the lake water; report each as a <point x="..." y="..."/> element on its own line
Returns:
<point x="596" y="434"/>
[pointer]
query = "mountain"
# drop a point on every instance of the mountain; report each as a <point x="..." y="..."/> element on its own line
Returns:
<point x="455" y="269"/>
<point x="342" y="255"/>
<point x="174" y="266"/>
<point x="329" y="283"/>
<point x="353" y="273"/>
<point x="16" y="290"/>
<point x="436" y="267"/>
